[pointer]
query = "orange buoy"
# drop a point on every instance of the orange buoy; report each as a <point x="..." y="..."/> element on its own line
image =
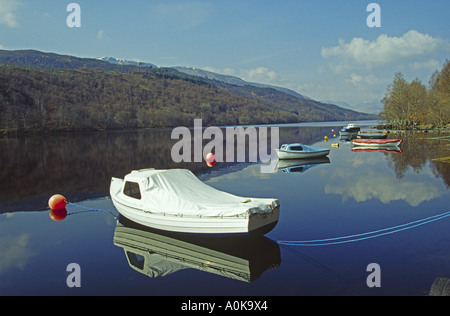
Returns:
<point x="210" y="163"/>
<point x="58" y="214"/>
<point x="210" y="157"/>
<point x="57" y="201"/>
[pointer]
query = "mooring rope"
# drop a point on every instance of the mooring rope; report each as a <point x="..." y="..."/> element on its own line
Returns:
<point x="90" y="209"/>
<point x="368" y="235"/>
<point x="325" y="241"/>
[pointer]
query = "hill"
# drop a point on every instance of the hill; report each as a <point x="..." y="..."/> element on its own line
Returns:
<point x="233" y="80"/>
<point x="48" y="92"/>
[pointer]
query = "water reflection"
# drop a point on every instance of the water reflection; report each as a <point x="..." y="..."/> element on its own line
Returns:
<point x="157" y="254"/>
<point x="391" y="150"/>
<point x="81" y="165"/>
<point x="300" y="165"/>
<point x="366" y="175"/>
<point x="377" y="189"/>
<point x="419" y="150"/>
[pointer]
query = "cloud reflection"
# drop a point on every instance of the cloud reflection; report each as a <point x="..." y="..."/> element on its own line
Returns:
<point x="14" y="251"/>
<point x="381" y="186"/>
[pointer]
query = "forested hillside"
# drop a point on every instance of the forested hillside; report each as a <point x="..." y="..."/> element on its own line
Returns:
<point x="38" y="100"/>
<point x="50" y="92"/>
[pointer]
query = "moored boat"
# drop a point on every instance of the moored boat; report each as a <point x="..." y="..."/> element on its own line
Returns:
<point x="376" y="142"/>
<point x="349" y="130"/>
<point x="176" y="200"/>
<point x="300" y="151"/>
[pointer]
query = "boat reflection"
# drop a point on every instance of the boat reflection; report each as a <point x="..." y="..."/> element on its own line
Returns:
<point x="300" y="165"/>
<point x="156" y="253"/>
<point x="394" y="149"/>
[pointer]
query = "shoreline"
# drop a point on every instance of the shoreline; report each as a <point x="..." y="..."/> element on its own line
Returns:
<point x="417" y="128"/>
<point x="5" y="132"/>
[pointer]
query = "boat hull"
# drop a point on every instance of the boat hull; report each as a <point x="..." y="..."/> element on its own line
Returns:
<point x="301" y="155"/>
<point x="257" y="223"/>
<point x="348" y="132"/>
<point x="369" y="136"/>
<point x="377" y="142"/>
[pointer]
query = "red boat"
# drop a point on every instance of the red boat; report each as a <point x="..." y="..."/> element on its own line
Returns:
<point x="376" y="142"/>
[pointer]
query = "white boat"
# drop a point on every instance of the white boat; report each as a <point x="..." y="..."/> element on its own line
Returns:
<point x="349" y="130"/>
<point x="299" y="151"/>
<point x="176" y="200"/>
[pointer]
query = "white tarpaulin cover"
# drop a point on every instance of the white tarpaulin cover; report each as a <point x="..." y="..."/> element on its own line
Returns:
<point x="179" y="191"/>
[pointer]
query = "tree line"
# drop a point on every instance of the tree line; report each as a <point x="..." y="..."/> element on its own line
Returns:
<point x="409" y="105"/>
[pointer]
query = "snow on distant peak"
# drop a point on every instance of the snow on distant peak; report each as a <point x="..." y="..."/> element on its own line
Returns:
<point x="118" y="61"/>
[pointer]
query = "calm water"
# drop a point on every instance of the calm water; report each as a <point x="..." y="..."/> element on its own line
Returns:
<point x="351" y="193"/>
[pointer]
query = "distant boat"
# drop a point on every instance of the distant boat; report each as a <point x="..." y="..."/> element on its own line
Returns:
<point x="349" y="130"/>
<point x="376" y="142"/>
<point x="176" y="200"/>
<point x="299" y="151"/>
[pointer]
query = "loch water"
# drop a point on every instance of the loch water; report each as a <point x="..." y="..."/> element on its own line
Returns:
<point x="350" y="193"/>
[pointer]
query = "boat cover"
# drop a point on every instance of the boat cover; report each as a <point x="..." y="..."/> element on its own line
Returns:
<point x="180" y="192"/>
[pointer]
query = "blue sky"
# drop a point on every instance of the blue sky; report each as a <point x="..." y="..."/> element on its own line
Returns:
<point x="323" y="49"/>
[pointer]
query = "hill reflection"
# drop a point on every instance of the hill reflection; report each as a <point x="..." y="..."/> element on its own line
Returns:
<point x="81" y="165"/>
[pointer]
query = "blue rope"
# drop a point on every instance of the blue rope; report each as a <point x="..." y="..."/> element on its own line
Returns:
<point x="374" y="234"/>
<point x="89" y="209"/>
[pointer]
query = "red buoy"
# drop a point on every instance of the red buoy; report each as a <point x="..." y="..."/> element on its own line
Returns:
<point x="58" y="214"/>
<point x="57" y="201"/>
<point x="210" y="157"/>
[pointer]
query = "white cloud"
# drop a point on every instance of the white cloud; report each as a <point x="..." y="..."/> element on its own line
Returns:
<point x="431" y="64"/>
<point x="7" y="12"/>
<point x="386" y="49"/>
<point x="261" y="75"/>
<point x="370" y="80"/>
<point x="258" y="74"/>
<point x="100" y="34"/>
<point x="355" y="79"/>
